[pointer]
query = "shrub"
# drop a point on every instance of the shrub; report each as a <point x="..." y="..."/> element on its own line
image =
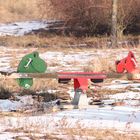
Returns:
<point x="127" y="15"/>
<point x="5" y="93"/>
<point x="88" y="16"/>
<point x="93" y="16"/>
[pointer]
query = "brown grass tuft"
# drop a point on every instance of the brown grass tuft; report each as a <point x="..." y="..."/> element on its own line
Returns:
<point x="19" y="10"/>
<point x="5" y="93"/>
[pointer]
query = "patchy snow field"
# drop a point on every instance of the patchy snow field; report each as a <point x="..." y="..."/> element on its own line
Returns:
<point x="22" y="28"/>
<point x="125" y="118"/>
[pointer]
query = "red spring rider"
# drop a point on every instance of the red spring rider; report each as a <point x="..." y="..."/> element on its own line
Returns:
<point x="128" y="64"/>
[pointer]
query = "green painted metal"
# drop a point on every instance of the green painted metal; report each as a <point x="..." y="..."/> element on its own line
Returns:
<point x="31" y="63"/>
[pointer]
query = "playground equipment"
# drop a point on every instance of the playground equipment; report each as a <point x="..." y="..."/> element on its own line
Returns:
<point x="128" y="65"/>
<point x="32" y="66"/>
<point x="30" y="63"/>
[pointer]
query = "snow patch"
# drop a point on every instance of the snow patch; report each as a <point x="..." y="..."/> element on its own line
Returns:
<point x="21" y="28"/>
<point x="125" y="96"/>
<point x="7" y="105"/>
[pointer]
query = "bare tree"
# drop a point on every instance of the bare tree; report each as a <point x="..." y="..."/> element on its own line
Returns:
<point x="89" y="16"/>
<point x="126" y="15"/>
<point x="94" y="16"/>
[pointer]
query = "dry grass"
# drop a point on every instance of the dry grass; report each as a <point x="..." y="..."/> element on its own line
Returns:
<point x="99" y="64"/>
<point x="19" y="10"/>
<point x="101" y="134"/>
<point x="10" y="88"/>
<point x="5" y="93"/>
<point x="31" y="134"/>
<point x="73" y="133"/>
<point x="55" y="42"/>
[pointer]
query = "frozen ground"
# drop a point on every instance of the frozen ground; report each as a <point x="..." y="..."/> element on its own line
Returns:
<point x="124" y="118"/>
<point x="22" y="28"/>
<point x="57" y="60"/>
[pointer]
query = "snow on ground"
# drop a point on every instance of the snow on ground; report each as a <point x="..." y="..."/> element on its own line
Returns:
<point x="9" y="105"/>
<point x="126" y="96"/>
<point x="11" y="55"/>
<point x="120" y="86"/>
<point x="60" y="61"/>
<point x="125" y="118"/>
<point x="110" y="117"/>
<point x="21" y="28"/>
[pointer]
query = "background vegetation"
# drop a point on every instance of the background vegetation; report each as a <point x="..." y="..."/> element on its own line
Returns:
<point x="94" y="17"/>
<point x="82" y="16"/>
<point x="18" y="10"/>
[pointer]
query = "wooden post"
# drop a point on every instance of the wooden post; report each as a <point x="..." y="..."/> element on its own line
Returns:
<point x="114" y="24"/>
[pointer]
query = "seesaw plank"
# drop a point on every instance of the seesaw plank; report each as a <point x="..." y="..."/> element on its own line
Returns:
<point x="57" y="75"/>
<point x="29" y="75"/>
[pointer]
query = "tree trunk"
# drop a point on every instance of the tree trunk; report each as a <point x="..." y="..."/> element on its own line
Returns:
<point x="114" y="24"/>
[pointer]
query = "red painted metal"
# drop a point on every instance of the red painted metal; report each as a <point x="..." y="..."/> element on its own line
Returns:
<point x="81" y="83"/>
<point x="128" y="64"/>
<point x="88" y="75"/>
<point x="81" y="78"/>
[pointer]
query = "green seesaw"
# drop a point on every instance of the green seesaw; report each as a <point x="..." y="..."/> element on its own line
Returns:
<point x="32" y="66"/>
